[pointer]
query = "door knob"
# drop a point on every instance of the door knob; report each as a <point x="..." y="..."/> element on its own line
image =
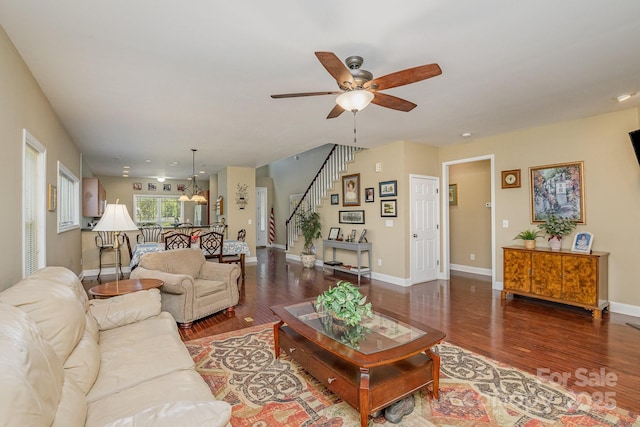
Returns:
<point x="415" y="235"/>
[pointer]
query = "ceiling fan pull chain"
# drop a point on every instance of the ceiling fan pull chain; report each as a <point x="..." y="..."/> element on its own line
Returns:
<point x="355" y="136"/>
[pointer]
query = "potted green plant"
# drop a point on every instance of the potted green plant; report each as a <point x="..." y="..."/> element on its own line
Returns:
<point x="555" y="227"/>
<point x="345" y="303"/>
<point x="310" y="227"/>
<point x="529" y="237"/>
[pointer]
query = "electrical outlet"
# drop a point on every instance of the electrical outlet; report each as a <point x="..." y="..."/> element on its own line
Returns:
<point x="380" y="262"/>
<point x="472" y="257"/>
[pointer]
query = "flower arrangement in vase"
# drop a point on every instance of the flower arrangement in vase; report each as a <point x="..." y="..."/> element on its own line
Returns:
<point x="556" y="227"/>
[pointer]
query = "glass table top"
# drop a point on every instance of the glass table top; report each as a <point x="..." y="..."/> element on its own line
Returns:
<point x="372" y="335"/>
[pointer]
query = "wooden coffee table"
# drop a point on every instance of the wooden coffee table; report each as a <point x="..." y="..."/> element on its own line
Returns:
<point x="112" y="289"/>
<point x="370" y="366"/>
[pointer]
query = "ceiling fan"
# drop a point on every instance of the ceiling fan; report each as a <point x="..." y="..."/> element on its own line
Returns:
<point x="358" y="87"/>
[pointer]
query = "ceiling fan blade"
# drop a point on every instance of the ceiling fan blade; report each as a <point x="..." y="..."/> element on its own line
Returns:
<point x="336" y="68"/>
<point x="393" y="102"/>
<point x="405" y="77"/>
<point x="296" y="95"/>
<point x="335" y="112"/>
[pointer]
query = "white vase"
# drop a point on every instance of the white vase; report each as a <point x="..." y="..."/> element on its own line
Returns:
<point x="555" y="242"/>
<point x="308" y="260"/>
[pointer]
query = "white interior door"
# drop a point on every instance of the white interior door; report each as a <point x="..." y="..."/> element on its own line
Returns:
<point x="262" y="220"/>
<point x="425" y="230"/>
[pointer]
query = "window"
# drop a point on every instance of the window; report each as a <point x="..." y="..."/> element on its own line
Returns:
<point x="68" y="200"/>
<point x="33" y="205"/>
<point x="163" y="210"/>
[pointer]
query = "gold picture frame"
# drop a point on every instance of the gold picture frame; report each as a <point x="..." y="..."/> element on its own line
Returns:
<point x="558" y="190"/>
<point x="52" y="197"/>
<point x="453" y="194"/>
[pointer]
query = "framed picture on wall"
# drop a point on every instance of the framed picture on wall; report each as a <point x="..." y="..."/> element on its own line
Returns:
<point x="335" y="199"/>
<point x="351" y="190"/>
<point x="388" y="188"/>
<point x="369" y="195"/>
<point x="453" y="194"/>
<point x="388" y="208"/>
<point x="557" y="190"/>
<point x="351" y="217"/>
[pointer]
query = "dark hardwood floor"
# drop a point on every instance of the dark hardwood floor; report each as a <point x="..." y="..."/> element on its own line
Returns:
<point x="597" y="357"/>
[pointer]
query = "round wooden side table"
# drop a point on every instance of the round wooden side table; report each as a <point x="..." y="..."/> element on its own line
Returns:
<point x="121" y="287"/>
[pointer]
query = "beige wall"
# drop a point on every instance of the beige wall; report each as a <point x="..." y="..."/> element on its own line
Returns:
<point x="237" y="218"/>
<point x="24" y="106"/>
<point x="470" y="219"/>
<point x="612" y="186"/>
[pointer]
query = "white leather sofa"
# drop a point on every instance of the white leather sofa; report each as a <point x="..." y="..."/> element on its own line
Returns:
<point x="67" y="361"/>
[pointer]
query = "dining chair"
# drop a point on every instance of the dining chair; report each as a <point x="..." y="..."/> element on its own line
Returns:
<point x="185" y="228"/>
<point x="211" y="244"/>
<point x="242" y="234"/>
<point x="105" y="242"/>
<point x="177" y="241"/>
<point x="218" y="227"/>
<point x="149" y="234"/>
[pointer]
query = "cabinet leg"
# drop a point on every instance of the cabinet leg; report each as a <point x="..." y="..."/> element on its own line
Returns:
<point x="503" y="295"/>
<point x="597" y="314"/>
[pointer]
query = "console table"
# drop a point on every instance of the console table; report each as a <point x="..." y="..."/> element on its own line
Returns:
<point x="560" y="276"/>
<point x="359" y="248"/>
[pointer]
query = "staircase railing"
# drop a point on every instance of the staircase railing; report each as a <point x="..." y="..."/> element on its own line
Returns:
<point x="335" y="163"/>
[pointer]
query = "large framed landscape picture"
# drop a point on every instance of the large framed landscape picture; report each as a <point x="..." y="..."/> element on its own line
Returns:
<point x="557" y="190"/>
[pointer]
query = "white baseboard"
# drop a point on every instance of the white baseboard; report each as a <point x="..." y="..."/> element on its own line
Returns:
<point x="105" y="271"/>
<point x="469" y="269"/>
<point x="621" y="308"/>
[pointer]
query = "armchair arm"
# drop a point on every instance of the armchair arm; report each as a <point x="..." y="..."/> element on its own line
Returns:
<point x="228" y="273"/>
<point x="173" y="283"/>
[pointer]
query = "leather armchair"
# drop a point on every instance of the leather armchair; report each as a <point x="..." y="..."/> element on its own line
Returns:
<point x="193" y="288"/>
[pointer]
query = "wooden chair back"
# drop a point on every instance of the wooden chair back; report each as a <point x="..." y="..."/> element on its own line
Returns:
<point x="177" y="241"/>
<point x="211" y="244"/>
<point x="218" y="227"/>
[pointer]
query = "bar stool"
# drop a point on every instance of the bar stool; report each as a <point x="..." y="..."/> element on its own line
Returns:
<point x="105" y="242"/>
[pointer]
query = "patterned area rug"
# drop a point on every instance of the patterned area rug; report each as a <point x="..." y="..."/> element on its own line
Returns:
<point x="240" y="368"/>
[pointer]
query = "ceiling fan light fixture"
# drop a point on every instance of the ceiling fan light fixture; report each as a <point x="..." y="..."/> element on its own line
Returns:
<point x="355" y="100"/>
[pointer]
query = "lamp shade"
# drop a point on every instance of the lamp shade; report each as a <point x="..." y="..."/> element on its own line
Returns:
<point x="354" y="100"/>
<point x="116" y="218"/>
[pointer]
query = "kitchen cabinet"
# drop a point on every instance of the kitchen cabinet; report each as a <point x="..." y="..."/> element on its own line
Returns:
<point x="560" y="276"/>
<point x="94" y="197"/>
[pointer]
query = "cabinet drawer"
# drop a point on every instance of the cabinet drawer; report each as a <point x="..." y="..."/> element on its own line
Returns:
<point x="294" y="346"/>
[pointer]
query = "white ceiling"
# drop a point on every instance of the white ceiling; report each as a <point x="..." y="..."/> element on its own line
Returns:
<point x="150" y="79"/>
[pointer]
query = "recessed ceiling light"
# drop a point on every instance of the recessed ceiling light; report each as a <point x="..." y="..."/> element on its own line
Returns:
<point x="466" y="135"/>
<point x="202" y="172"/>
<point x="147" y="161"/>
<point x="173" y="164"/>
<point x="160" y="179"/>
<point x="624" y="97"/>
<point x="126" y="167"/>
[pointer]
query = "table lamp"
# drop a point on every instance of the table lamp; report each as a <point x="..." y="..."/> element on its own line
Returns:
<point x="116" y="218"/>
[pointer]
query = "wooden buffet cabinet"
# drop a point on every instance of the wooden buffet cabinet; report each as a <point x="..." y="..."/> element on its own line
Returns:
<point x="560" y="276"/>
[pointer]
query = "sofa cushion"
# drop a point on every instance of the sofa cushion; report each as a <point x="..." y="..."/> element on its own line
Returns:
<point x="53" y="306"/>
<point x="72" y="410"/>
<point x="164" y="395"/>
<point x="163" y="324"/>
<point x="83" y="363"/>
<point x="30" y="371"/>
<point x="208" y="287"/>
<point x="124" y="309"/>
<point x="124" y="366"/>
<point x="177" y="261"/>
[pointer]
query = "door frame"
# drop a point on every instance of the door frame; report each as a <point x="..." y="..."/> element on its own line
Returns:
<point x="446" y="244"/>
<point x="262" y="206"/>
